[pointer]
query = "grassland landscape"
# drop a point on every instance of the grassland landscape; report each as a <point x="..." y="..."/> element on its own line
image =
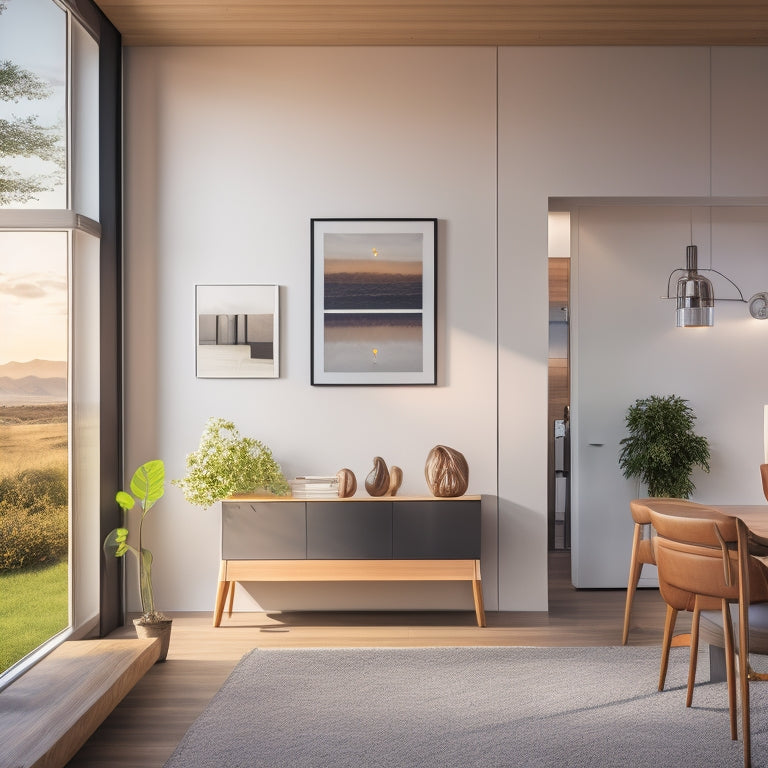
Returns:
<point x="34" y="539"/>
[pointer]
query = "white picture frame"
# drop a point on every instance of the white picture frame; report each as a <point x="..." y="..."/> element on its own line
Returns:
<point x="237" y="331"/>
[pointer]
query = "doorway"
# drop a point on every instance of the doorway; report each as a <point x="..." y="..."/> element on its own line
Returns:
<point x="559" y="395"/>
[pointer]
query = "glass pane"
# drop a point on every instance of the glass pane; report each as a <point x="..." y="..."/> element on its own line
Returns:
<point x="84" y="141"/>
<point x="34" y="441"/>
<point x="32" y="104"/>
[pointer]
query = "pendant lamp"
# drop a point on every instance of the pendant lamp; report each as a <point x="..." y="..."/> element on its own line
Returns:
<point x="695" y="295"/>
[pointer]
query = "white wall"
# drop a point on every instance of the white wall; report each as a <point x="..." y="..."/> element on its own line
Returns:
<point x="230" y="152"/>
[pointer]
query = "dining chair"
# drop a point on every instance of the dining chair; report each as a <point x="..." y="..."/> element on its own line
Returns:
<point x="699" y="550"/>
<point x="764" y="476"/>
<point x="642" y="551"/>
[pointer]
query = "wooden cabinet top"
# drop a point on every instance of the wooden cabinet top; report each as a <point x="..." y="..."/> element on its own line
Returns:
<point x="253" y="497"/>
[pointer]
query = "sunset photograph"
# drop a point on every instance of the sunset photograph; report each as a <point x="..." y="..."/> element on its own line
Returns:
<point x="373" y="300"/>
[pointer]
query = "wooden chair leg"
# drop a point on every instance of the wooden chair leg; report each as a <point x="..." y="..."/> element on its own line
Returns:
<point x="744" y="600"/>
<point x="666" y="644"/>
<point x="694" y="652"/>
<point x="635" y="567"/>
<point x="730" y="668"/>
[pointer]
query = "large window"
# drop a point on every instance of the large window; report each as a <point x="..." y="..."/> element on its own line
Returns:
<point x="50" y="394"/>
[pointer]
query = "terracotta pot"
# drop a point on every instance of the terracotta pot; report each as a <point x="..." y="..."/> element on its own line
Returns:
<point x="161" y="629"/>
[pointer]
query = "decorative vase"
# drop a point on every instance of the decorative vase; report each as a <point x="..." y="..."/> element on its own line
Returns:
<point x="347" y="483"/>
<point x="161" y="629"/>
<point x="447" y="472"/>
<point x="377" y="482"/>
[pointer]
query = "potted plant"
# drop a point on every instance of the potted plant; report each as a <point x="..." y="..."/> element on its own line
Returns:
<point x="662" y="448"/>
<point x="147" y="486"/>
<point x="226" y="463"/>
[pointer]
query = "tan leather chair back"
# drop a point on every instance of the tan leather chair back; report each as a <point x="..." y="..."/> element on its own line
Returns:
<point x="764" y="476"/>
<point x="641" y="512"/>
<point x="696" y="551"/>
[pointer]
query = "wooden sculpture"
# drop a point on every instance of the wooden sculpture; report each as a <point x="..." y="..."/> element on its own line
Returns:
<point x="377" y="482"/>
<point x="347" y="482"/>
<point x="447" y="472"/>
<point x="395" y="480"/>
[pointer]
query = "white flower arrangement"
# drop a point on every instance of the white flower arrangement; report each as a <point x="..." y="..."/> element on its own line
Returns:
<point x="226" y="463"/>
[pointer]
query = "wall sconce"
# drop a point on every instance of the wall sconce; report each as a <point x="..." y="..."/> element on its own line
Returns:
<point x="758" y="306"/>
<point x="695" y="295"/>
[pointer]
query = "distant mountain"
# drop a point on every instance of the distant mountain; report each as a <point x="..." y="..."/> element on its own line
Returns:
<point x="34" y="382"/>
<point x="43" y="369"/>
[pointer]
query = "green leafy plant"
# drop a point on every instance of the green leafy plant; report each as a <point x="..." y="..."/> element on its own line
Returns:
<point x="34" y="518"/>
<point x="662" y="448"/>
<point x="147" y="486"/>
<point x="226" y="463"/>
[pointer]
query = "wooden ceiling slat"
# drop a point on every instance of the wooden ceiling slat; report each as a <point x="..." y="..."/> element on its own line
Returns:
<point x="439" y="22"/>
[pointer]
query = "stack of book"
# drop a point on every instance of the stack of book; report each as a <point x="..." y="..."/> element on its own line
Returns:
<point x="315" y="487"/>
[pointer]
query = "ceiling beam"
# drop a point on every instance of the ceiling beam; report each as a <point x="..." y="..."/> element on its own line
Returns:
<point x="439" y="22"/>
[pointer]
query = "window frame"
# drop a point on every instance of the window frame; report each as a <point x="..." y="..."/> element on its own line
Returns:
<point x="96" y="460"/>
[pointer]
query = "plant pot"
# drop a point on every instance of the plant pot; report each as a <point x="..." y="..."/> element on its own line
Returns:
<point x="161" y="629"/>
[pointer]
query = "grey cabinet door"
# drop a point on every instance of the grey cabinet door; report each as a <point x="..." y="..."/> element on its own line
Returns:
<point x="263" y="531"/>
<point x="442" y="530"/>
<point x="349" y="530"/>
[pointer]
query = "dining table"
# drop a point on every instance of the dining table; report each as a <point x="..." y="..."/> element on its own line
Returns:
<point x="754" y="516"/>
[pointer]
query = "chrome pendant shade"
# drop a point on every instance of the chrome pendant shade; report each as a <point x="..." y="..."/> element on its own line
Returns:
<point x="695" y="295"/>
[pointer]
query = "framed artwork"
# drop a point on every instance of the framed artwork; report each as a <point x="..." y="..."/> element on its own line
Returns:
<point x="374" y="301"/>
<point x="237" y="331"/>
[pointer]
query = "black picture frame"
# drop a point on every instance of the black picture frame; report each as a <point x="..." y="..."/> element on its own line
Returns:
<point x="374" y="301"/>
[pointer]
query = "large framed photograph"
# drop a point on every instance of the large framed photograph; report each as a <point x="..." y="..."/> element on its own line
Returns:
<point x="374" y="301"/>
<point x="237" y="331"/>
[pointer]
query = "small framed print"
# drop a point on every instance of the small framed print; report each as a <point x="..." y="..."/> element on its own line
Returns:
<point x="237" y="331"/>
<point x="374" y="301"/>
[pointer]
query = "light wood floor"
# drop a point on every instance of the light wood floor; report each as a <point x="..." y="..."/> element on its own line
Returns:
<point x="146" y="726"/>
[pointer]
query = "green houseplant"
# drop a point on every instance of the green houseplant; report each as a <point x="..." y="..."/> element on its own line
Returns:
<point x="226" y="463"/>
<point x="662" y="448"/>
<point x="147" y="487"/>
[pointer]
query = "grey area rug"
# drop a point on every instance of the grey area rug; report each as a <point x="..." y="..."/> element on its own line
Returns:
<point x="465" y="708"/>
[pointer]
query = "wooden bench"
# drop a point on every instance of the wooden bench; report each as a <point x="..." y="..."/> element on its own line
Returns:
<point x="51" y="711"/>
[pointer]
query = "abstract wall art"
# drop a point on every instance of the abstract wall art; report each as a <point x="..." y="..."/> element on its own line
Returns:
<point x="237" y="331"/>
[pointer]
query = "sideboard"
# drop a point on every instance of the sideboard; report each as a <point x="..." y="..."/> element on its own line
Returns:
<point x="384" y="538"/>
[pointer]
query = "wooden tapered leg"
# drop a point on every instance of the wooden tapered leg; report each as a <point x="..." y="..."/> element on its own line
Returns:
<point x="231" y="598"/>
<point x="694" y="652"/>
<point x="477" y="593"/>
<point x="221" y="594"/>
<point x="666" y="644"/>
<point x="635" y="567"/>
